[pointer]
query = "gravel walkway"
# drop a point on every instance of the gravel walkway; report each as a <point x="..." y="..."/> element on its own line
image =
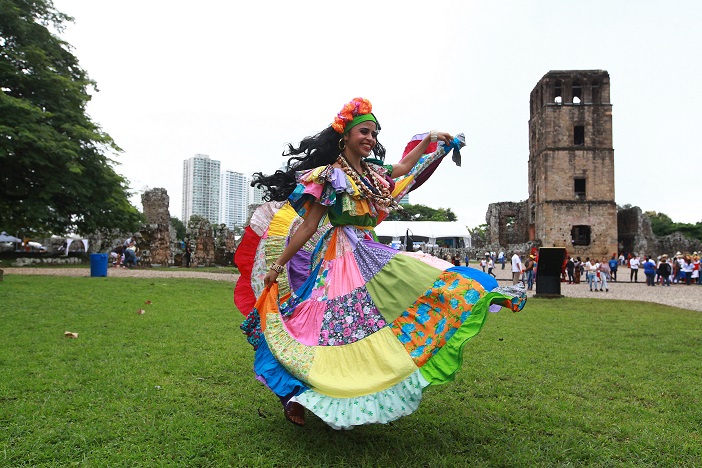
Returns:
<point x="126" y="273"/>
<point x="677" y="295"/>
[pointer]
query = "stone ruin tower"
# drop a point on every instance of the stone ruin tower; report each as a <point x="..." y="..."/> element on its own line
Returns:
<point x="571" y="164"/>
<point x="156" y="236"/>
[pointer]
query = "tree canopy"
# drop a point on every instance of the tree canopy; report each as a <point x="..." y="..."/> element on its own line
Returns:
<point x="662" y="225"/>
<point x="422" y="213"/>
<point x="55" y="173"/>
<point x="179" y="227"/>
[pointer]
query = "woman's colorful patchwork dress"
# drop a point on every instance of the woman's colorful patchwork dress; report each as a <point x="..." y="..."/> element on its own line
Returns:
<point x="355" y="330"/>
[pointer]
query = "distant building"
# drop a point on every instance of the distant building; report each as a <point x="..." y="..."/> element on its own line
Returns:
<point x="201" y="188"/>
<point x="404" y="200"/>
<point x="233" y="199"/>
<point x="571" y="170"/>
<point x="257" y="195"/>
<point x="571" y="163"/>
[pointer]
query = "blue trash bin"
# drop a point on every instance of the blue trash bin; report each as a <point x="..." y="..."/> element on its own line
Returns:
<point x="98" y="264"/>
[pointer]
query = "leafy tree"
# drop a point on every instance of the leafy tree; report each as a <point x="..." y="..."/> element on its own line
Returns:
<point x="179" y="227"/>
<point x="662" y="225"/>
<point x="422" y="213"/>
<point x="56" y="175"/>
<point x="478" y="235"/>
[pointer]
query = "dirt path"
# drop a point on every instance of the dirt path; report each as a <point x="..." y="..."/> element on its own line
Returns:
<point x="126" y="273"/>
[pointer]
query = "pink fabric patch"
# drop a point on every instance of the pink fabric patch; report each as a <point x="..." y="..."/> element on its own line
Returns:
<point x="314" y="189"/>
<point x="344" y="276"/>
<point x="304" y="325"/>
<point x="429" y="260"/>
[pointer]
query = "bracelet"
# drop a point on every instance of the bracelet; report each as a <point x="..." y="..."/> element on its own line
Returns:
<point x="434" y="136"/>
<point x="277" y="268"/>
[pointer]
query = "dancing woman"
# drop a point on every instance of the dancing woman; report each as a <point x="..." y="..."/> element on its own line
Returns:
<point x="343" y="325"/>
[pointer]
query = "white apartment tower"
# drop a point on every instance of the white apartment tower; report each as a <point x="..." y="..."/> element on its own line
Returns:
<point x="234" y="199"/>
<point x="257" y="195"/>
<point x="201" y="188"/>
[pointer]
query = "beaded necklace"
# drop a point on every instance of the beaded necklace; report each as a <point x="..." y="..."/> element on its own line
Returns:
<point x="368" y="185"/>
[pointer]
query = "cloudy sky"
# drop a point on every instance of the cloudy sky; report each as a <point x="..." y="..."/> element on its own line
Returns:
<point x="238" y="80"/>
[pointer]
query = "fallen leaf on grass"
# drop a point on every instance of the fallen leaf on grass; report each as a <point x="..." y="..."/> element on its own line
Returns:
<point x="140" y="311"/>
<point x="147" y="302"/>
<point x="70" y="335"/>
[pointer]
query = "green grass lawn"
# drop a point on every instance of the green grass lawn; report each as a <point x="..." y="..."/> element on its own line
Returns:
<point x="566" y="382"/>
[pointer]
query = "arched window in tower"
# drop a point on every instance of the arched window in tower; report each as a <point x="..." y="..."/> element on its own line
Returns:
<point x="577" y="92"/>
<point x="596" y="92"/>
<point x="558" y="92"/>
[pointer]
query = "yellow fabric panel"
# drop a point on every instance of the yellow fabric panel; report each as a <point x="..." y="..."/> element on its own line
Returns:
<point x="370" y="365"/>
<point x="401" y="184"/>
<point x="280" y="224"/>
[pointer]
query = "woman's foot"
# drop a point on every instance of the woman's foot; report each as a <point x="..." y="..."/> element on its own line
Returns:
<point x="295" y="413"/>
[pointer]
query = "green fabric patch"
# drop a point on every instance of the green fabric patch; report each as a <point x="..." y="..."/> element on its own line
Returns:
<point x="398" y="285"/>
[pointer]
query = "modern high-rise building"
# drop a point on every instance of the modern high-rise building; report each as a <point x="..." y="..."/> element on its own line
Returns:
<point x="234" y="199"/>
<point x="257" y="196"/>
<point x="201" y="188"/>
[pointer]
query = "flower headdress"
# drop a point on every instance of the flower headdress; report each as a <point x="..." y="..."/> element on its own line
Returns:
<point x="357" y="111"/>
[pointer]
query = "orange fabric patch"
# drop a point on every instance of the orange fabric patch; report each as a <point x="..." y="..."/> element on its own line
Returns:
<point x="330" y="254"/>
<point x="433" y="319"/>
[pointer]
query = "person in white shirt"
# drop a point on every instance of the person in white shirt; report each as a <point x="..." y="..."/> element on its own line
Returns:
<point x="634" y="264"/>
<point x="516" y="268"/>
<point x="591" y="272"/>
<point x="490" y="266"/>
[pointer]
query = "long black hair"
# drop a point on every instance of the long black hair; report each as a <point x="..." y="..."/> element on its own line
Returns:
<point x="319" y="150"/>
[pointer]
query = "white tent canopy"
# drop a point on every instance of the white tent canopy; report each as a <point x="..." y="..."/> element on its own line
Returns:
<point x="70" y="239"/>
<point x="430" y="229"/>
<point x="4" y="237"/>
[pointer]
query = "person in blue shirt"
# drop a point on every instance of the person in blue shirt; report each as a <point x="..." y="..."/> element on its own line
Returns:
<point x="650" y="271"/>
<point x="613" y="264"/>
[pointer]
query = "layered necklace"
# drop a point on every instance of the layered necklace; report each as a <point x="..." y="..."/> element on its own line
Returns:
<point x="368" y="184"/>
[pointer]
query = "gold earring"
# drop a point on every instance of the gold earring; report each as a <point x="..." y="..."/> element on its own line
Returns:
<point x="342" y="144"/>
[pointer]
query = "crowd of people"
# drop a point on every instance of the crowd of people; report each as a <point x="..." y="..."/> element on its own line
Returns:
<point x="663" y="270"/>
<point x="599" y="273"/>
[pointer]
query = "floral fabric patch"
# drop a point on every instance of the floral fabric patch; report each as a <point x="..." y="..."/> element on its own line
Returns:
<point x="350" y="318"/>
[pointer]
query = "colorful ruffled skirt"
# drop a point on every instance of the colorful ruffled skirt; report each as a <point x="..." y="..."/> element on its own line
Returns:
<point x="355" y="330"/>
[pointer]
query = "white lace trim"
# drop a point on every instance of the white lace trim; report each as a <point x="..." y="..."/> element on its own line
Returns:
<point x="381" y="407"/>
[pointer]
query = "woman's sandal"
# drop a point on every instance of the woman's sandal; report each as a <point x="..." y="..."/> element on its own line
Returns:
<point x="295" y="413"/>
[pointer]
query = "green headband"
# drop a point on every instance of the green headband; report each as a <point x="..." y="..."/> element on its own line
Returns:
<point x="358" y="119"/>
